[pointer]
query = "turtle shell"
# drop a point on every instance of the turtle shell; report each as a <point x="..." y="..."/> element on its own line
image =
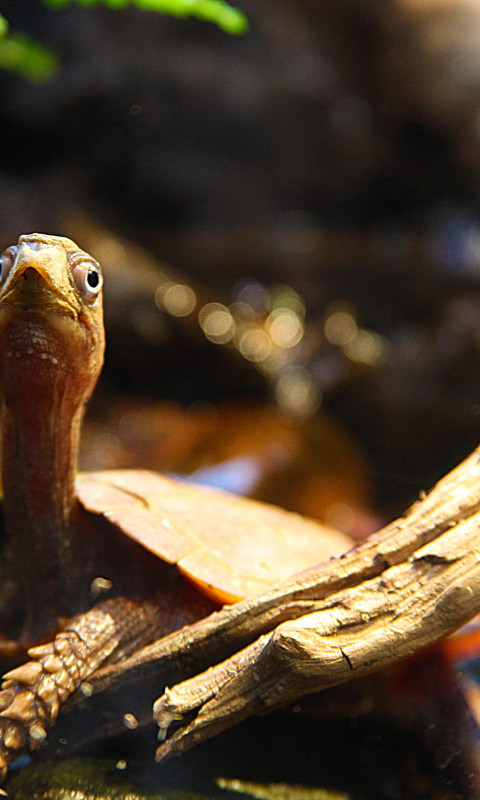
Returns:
<point x="230" y="547"/>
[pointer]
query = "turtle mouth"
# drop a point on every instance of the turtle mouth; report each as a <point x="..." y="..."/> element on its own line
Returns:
<point x="35" y="277"/>
<point x="31" y="292"/>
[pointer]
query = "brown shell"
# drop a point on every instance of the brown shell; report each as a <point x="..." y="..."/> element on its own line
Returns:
<point x="229" y="546"/>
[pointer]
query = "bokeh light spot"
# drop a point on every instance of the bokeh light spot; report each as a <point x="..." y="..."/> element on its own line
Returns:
<point x="255" y="345"/>
<point x="217" y="323"/>
<point x="177" y="299"/>
<point x="296" y="393"/>
<point x="340" y="327"/>
<point x="286" y="329"/>
<point x="367" y="347"/>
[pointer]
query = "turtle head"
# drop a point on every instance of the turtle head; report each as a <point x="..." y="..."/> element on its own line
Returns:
<point x="50" y="316"/>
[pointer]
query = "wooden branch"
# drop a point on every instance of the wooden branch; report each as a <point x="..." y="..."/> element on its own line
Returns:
<point x="357" y="631"/>
<point x="404" y="588"/>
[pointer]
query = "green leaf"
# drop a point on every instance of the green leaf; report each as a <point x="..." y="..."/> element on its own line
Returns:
<point x="19" y="53"/>
<point x="230" y="19"/>
<point x="22" y="54"/>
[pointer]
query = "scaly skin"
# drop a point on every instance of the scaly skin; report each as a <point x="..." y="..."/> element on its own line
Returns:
<point x="51" y="353"/>
<point x="31" y="695"/>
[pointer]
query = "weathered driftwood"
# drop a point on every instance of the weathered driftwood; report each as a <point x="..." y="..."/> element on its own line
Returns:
<point x="404" y="588"/>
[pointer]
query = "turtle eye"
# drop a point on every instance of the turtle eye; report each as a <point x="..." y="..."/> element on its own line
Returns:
<point x="87" y="277"/>
<point x="7" y="260"/>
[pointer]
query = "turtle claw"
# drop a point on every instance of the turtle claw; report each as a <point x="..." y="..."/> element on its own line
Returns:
<point x="24" y="712"/>
<point x="31" y="695"/>
<point x="25" y="673"/>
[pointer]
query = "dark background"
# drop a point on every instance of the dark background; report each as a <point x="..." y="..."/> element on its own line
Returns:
<point x="334" y="148"/>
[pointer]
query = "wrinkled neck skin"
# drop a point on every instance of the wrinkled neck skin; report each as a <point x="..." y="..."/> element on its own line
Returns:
<point x="41" y="418"/>
<point x="38" y="468"/>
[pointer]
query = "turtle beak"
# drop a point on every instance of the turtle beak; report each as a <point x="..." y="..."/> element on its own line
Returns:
<point x="39" y="277"/>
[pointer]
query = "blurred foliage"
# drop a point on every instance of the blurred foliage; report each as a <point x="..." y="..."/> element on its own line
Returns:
<point x="225" y="16"/>
<point x="21" y="54"/>
<point x="109" y="779"/>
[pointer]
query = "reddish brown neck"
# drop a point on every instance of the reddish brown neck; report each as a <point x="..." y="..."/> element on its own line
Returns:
<point x="51" y="352"/>
<point x="44" y="393"/>
<point x="39" y="452"/>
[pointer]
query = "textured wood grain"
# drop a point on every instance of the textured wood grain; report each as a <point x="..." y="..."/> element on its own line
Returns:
<point x="404" y="588"/>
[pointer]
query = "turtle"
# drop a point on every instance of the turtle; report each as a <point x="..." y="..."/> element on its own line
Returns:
<point x="97" y="565"/>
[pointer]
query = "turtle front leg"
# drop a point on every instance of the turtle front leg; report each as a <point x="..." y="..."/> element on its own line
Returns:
<point x="32" y="694"/>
